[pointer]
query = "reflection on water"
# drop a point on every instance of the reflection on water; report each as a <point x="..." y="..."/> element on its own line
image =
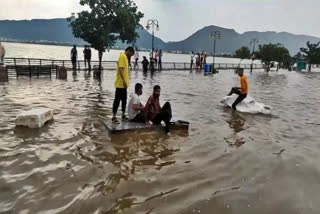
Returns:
<point x="228" y="162"/>
<point x="236" y="122"/>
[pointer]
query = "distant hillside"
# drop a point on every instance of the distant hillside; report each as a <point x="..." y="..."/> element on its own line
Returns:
<point x="291" y="41"/>
<point x="54" y="30"/>
<point x="231" y="40"/>
<point x="145" y="40"/>
<point x="58" y="31"/>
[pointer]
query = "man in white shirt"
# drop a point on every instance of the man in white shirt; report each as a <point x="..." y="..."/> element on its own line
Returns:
<point x="135" y="107"/>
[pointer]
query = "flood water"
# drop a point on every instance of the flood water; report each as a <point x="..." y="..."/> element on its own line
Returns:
<point x="228" y="163"/>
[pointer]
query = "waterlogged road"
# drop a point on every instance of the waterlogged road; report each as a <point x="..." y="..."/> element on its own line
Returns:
<point x="229" y="163"/>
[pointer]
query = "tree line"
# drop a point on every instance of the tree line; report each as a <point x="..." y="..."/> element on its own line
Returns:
<point x="269" y="53"/>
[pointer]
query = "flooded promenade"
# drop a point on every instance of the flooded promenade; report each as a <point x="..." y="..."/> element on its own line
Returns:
<point x="229" y="163"/>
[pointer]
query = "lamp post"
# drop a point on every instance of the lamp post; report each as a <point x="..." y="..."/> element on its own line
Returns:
<point x="214" y="36"/>
<point x="253" y="42"/>
<point x="152" y="23"/>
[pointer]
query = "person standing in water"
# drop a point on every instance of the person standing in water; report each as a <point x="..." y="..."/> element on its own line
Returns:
<point x="85" y="56"/>
<point x="89" y="54"/>
<point x="201" y="59"/>
<point x="198" y="61"/>
<point x="205" y="58"/>
<point x="242" y="91"/>
<point x="122" y="83"/>
<point x="160" y="60"/>
<point x="145" y="64"/>
<point x="74" y="57"/>
<point x="156" y="57"/>
<point x="192" y="58"/>
<point x="136" y="57"/>
<point x="151" y="62"/>
<point x="2" y="53"/>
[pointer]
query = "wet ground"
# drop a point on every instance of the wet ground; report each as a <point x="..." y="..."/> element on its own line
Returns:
<point x="228" y="163"/>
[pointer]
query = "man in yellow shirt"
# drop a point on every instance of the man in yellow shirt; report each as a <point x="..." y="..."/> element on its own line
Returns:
<point x="122" y="82"/>
<point x="242" y="91"/>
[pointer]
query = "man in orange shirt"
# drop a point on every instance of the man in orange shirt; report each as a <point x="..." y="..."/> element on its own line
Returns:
<point x="242" y="91"/>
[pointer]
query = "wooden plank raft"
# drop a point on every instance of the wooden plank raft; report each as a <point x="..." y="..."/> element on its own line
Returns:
<point x="127" y="126"/>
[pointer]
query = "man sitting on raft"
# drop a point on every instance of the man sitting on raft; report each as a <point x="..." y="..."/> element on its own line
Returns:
<point x="135" y="107"/>
<point x="242" y="91"/>
<point x="154" y="113"/>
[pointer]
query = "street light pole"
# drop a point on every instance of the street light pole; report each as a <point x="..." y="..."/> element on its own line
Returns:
<point x="214" y="35"/>
<point x="152" y="40"/>
<point x="253" y="42"/>
<point x="153" y="23"/>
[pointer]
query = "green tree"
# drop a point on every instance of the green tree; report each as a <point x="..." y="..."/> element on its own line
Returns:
<point x="298" y="57"/>
<point x="283" y="57"/>
<point x="312" y="53"/>
<point x="105" y="22"/>
<point x="273" y="52"/>
<point x="243" y="53"/>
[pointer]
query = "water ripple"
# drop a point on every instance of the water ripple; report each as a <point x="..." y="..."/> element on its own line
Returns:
<point x="228" y="163"/>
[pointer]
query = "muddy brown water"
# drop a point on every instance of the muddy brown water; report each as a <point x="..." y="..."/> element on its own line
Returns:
<point x="228" y="163"/>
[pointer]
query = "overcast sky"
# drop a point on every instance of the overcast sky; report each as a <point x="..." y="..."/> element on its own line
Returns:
<point x="180" y="18"/>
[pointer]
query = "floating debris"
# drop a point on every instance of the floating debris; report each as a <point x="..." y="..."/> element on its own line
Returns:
<point x="279" y="153"/>
<point x="225" y="190"/>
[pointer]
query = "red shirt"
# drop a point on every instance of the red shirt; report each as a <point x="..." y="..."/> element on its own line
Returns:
<point x="152" y="108"/>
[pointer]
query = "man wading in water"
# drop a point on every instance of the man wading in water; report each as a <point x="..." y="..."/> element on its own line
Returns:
<point x="145" y="64"/>
<point x="74" y="57"/>
<point x="242" y="91"/>
<point x="136" y="57"/>
<point x="122" y="83"/>
<point x="87" y="56"/>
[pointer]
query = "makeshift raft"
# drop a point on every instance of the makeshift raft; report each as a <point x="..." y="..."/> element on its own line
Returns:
<point x="127" y="126"/>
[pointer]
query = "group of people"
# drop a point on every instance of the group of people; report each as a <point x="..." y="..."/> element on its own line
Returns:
<point x="155" y="61"/>
<point x="151" y="112"/>
<point x="156" y="58"/>
<point x="200" y="59"/>
<point x="86" y="55"/>
<point x="2" y="53"/>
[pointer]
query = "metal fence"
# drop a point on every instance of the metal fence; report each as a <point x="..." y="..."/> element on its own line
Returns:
<point x="109" y="65"/>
